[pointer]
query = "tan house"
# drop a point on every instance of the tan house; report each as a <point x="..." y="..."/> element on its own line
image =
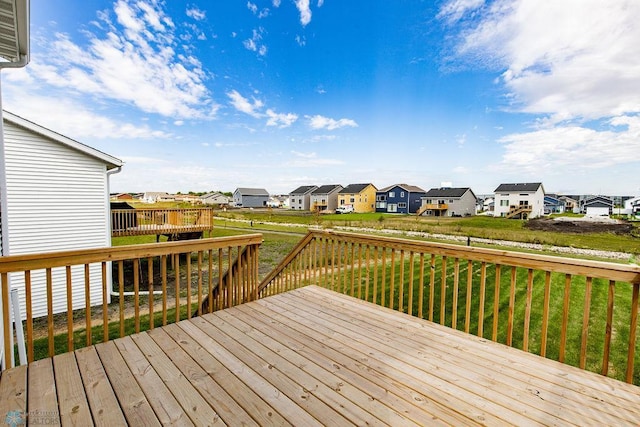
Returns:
<point x="361" y="196"/>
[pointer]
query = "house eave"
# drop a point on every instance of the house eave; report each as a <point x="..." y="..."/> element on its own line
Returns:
<point x="14" y="33"/>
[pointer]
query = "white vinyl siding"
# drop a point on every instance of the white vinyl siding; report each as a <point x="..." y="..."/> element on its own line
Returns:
<point x="57" y="199"/>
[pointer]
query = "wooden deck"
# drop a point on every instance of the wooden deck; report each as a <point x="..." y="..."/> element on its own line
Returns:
<point x="311" y="357"/>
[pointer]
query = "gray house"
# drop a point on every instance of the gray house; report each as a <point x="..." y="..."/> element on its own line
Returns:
<point x="325" y="197"/>
<point x="250" y="197"/>
<point x="448" y="202"/>
<point x="597" y="206"/>
<point x="300" y="198"/>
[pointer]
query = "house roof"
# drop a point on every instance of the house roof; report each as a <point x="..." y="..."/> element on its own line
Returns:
<point x="354" y="188"/>
<point x="516" y="188"/>
<point x="304" y="189"/>
<point x="14" y="37"/>
<point x="110" y="161"/>
<point x="326" y="189"/>
<point x="156" y="194"/>
<point x="406" y="187"/>
<point x="448" y="192"/>
<point x="252" y="191"/>
<point x="598" y="200"/>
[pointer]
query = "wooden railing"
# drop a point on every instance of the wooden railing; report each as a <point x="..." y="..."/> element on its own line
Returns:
<point x="515" y="210"/>
<point x="135" y="222"/>
<point x="583" y="313"/>
<point x="138" y="287"/>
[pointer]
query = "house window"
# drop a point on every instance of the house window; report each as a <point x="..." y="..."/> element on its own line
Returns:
<point x="392" y="194"/>
<point x="402" y="194"/>
<point x="450" y="200"/>
<point x="352" y="200"/>
<point x="402" y="205"/>
<point x="381" y="198"/>
<point x="504" y="203"/>
<point x="428" y="201"/>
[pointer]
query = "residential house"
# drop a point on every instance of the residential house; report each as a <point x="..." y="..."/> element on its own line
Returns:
<point x="325" y="198"/>
<point x="399" y="198"/>
<point x="571" y="203"/>
<point x="55" y="197"/>
<point x="361" y="196"/>
<point x="250" y="197"/>
<point x="553" y="204"/>
<point x="596" y="206"/>
<point x="278" y="201"/>
<point x="300" y="198"/>
<point x="214" y="199"/>
<point x="187" y="198"/>
<point x="523" y="201"/>
<point x="121" y="196"/>
<point x="632" y="206"/>
<point x="157" y="196"/>
<point x="488" y="204"/>
<point x="448" y="202"/>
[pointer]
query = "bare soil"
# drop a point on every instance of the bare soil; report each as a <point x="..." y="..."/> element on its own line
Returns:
<point x="581" y="225"/>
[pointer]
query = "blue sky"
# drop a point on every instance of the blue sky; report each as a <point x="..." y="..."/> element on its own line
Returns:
<point x="215" y="95"/>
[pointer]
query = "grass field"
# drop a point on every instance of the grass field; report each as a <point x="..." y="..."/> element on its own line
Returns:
<point x="476" y="226"/>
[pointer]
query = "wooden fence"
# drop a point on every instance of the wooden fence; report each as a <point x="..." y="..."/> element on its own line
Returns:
<point x="142" y="286"/>
<point x="580" y="312"/>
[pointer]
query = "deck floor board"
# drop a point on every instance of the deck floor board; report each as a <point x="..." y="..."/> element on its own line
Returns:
<point x="311" y="357"/>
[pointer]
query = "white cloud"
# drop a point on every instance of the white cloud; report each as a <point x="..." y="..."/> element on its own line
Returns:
<point x="305" y="12"/>
<point x="195" y="13"/>
<point x="453" y="10"/>
<point x="574" y="65"/>
<point x="321" y="122"/>
<point x="243" y="105"/>
<point x="304" y="160"/>
<point x="276" y="3"/>
<point x="252" y="7"/>
<point x="281" y="120"/>
<point x="136" y="64"/>
<point x="70" y="118"/>
<point x="255" y="42"/>
<point x="572" y="148"/>
<point x="585" y="63"/>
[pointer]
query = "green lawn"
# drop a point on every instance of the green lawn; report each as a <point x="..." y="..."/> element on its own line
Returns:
<point x="475" y="226"/>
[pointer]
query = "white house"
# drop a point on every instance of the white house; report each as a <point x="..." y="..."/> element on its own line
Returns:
<point x="55" y="197"/>
<point x="522" y="201"/>
<point x="300" y="198"/>
<point x="157" y="196"/>
<point x="632" y="206"/>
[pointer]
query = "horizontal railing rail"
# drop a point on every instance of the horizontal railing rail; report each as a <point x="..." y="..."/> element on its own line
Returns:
<point x="579" y="312"/>
<point x="136" y="222"/>
<point x="110" y="292"/>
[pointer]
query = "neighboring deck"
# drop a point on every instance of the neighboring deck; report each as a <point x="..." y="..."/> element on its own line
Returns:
<point x="173" y="223"/>
<point x="311" y="357"/>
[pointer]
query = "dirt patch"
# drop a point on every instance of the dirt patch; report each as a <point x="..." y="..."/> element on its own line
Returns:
<point x="581" y="225"/>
